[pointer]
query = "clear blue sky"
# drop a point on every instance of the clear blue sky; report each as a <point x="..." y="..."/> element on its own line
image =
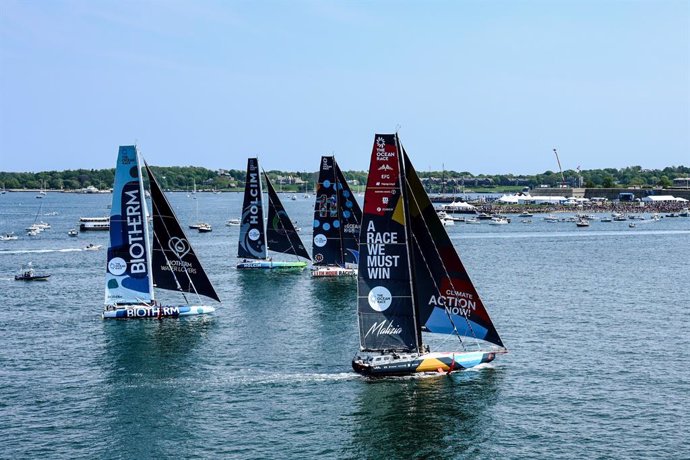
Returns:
<point x="485" y="87"/>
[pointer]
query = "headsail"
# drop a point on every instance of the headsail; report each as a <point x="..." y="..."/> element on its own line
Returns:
<point x="252" y="232"/>
<point x="175" y="265"/>
<point x="281" y="235"/>
<point x="385" y="304"/>
<point x="446" y="298"/>
<point x="336" y="218"/>
<point x="128" y="277"/>
<point x="351" y="216"/>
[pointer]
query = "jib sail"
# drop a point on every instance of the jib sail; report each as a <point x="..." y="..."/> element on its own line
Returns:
<point x="281" y="235"/>
<point x="175" y="265"/>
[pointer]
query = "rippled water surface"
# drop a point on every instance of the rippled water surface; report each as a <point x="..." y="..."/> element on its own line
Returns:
<point x="596" y="320"/>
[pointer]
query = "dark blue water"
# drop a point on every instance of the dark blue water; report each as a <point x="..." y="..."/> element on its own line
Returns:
<point x="596" y="320"/>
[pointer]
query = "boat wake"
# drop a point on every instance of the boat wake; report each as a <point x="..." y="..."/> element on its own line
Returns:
<point x="40" y="251"/>
<point x="290" y="379"/>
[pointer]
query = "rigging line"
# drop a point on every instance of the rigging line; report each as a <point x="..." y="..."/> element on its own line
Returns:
<point x="443" y="265"/>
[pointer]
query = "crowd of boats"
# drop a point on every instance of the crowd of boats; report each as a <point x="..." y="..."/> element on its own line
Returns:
<point x="409" y="276"/>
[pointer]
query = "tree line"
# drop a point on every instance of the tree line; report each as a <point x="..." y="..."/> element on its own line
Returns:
<point x="187" y="177"/>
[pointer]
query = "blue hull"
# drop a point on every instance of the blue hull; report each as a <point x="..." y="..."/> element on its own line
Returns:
<point x="144" y="311"/>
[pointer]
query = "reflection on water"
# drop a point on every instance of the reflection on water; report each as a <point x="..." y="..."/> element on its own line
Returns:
<point x="146" y="365"/>
<point x="424" y="417"/>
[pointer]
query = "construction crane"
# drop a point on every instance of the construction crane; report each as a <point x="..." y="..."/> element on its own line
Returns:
<point x="559" y="168"/>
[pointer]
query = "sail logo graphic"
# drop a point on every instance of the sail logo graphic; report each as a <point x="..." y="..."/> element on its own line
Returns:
<point x="384" y="329"/>
<point x="254" y="234"/>
<point x="179" y="246"/>
<point x="380" y="298"/>
<point x="117" y="266"/>
<point x="381" y="154"/>
<point x="135" y="231"/>
<point x="386" y="167"/>
<point x="320" y="240"/>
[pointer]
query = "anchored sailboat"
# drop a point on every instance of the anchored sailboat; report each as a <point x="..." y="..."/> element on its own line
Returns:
<point x="132" y="267"/>
<point x="336" y="224"/>
<point x="257" y="237"/>
<point x="411" y="279"/>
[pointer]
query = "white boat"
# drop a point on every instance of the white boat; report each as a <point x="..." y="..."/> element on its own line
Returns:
<point x="233" y="222"/>
<point x="411" y="281"/>
<point x="472" y="220"/>
<point x="8" y="237"/>
<point x="72" y="232"/>
<point x="92" y="247"/>
<point x="133" y="266"/>
<point x="582" y="222"/>
<point x="551" y="219"/>
<point x="204" y="228"/>
<point x="95" y="224"/>
<point x="499" y="221"/>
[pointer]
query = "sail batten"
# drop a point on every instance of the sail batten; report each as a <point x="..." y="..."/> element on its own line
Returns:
<point x="175" y="265"/>
<point x="128" y="271"/>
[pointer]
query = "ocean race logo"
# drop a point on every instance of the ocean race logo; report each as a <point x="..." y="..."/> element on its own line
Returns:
<point x="381" y="154"/>
<point x="379" y="263"/>
<point x="380" y="298"/>
<point x="117" y="266"/>
<point x="320" y="240"/>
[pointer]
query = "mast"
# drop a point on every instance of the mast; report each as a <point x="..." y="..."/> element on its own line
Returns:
<point x="264" y="220"/>
<point x="409" y="241"/>
<point x="341" y="229"/>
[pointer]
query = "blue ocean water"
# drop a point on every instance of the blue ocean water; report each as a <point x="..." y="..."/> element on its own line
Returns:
<point x="596" y="321"/>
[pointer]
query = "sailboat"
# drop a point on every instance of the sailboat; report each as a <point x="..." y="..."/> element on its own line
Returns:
<point x="134" y="267"/>
<point x="411" y="279"/>
<point x="258" y="237"/>
<point x="336" y="224"/>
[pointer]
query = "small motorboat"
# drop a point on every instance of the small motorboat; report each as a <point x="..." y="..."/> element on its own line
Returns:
<point x="233" y="222"/>
<point x="27" y="273"/>
<point x="582" y="222"/>
<point x="73" y="232"/>
<point x="204" y="228"/>
<point x="92" y="247"/>
<point x="8" y="237"/>
<point x="631" y="225"/>
<point x="499" y="221"/>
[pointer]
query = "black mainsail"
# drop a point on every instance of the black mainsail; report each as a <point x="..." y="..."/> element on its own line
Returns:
<point x="252" y="243"/>
<point x="281" y="235"/>
<point x="385" y="306"/>
<point x="337" y="217"/>
<point x="175" y="266"/>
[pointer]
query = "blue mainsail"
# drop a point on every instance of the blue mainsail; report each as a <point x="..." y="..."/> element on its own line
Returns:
<point x="128" y="273"/>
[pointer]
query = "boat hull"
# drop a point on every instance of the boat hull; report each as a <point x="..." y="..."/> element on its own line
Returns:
<point x="31" y="278"/>
<point x="271" y="265"/>
<point x="392" y="364"/>
<point x="164" y="311"/>
<point x="330" y="272"/>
